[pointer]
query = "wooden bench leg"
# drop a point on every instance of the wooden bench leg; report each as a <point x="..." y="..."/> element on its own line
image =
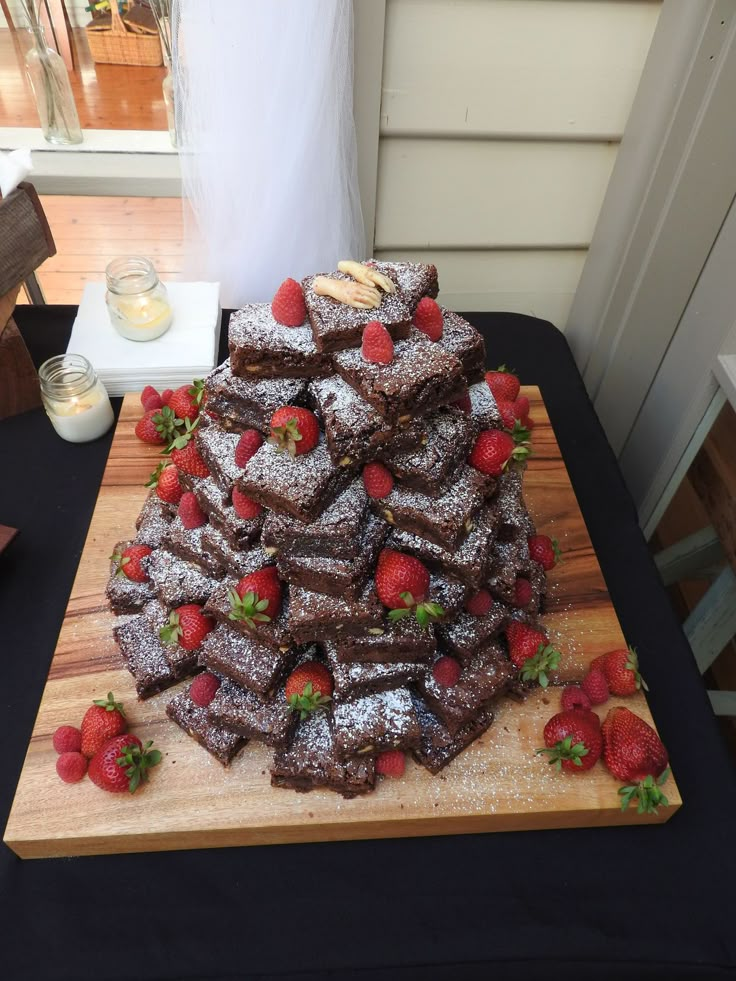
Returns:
<point x="691" y="558"/>
<point x="723" y="703"/>
<point x="712" y="623"/>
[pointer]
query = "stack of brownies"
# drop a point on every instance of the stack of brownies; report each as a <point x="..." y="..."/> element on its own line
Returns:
<point x="419" y="416"/>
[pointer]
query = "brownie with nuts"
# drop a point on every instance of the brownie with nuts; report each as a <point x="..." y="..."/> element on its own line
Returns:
<point x="465" y="342"/>
<point x="354" y="679"/>
<point x="437" y="745"/>
<point x="467" y="635"/>
<point x="153" y="521"/>
<point x="273" y="633"/>
<point x="177" y="581"/>
<point x="414" y="279"/>
<point x="311" y="762"/>
<point x="374" y="723"/>
<point x="220" y="742"/>
<point x="334" y="534"/>
<point x="187" y="544"/>
<point x="421" y="376"/>
<point x="267" y="720"/>
<point x="245" y="661"/>
<point x="154" y="665"/>
<point x="319" y="617"/>
<point x="446" y="440"/>
<point x="484" y="678"/>
<point x="249" y="403"/>
<point x="261" y="347"/>
<point x="126" y="595"/>
<point x="390" y="640"/>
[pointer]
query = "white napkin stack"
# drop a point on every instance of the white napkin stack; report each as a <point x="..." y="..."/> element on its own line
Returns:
<point x="187" y="350"/>
<point x="14" y="167"/>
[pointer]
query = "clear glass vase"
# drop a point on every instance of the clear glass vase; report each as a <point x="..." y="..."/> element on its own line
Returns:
<point x="52" y="91"/>
<point x="168" y="87"/>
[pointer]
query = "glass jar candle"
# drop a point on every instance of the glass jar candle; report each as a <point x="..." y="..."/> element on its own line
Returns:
<point x="136" y="299"/>
<point x="75" y="399"/>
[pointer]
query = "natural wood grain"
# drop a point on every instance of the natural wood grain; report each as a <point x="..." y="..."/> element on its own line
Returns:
<point x="498" y="784"/>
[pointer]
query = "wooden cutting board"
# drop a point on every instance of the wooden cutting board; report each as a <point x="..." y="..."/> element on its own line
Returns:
<point x="498" y="784"/>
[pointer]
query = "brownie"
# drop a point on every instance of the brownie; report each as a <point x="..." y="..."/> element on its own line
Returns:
<point x="513" y="517"/>
<point x="445" y="443"/>
<point x="302" y="485"/>
<point x="468" y="635"/>
<point x="220" y="742"/>
<point x="484" y="412"/>
<point x="374" y="723"/>
<point x="338" y="577"/>
<point x="336" y="326"/>
<point x="354" y="679"/>
<point x="391" y="640"/>
<point x="465" y="342"/>
<point x="311" y="762"/>
<point x="485" y="677"/>
<point x="239" y="532"/>
<point x="177" y="581"/>
<point x="335" y="534"/>
<point x="272" y="633"/>
<point x="249" y="403"/>
<point x="445" y="519"/>
<point x="187" y="544"/>
<point x="420" y="377"/>
<point x="153" y="521"/>
<point x="319" y="617"/>
<point x="509" y="559"/>
<point x="237" y="561"/>
<point x="246" y="661"/>
<point x="414" y="279"/>
<point x="126" y="595"/>
<point x="217" y="448"/>
<point x="261" y="347"/>
<point x="437" y="745"/>
<point x="450" y="593"/>
<point x="269" y="721"/>
<point x="154" y="665"/>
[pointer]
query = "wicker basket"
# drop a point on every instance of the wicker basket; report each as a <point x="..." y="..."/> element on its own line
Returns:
<point x="119" y="46"/>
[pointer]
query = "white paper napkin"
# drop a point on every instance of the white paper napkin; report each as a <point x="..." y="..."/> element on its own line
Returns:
<point x="187" y="350"/>
<point x="15" y="166"/>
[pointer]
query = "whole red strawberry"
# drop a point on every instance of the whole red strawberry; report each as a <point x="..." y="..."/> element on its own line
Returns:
<point x="544" y="550"/>
<point x="508" y="413"/>
<point x="377" y="480"/>
<point x="523" y="593"/>
<point x="190" y="513"/>
<point x="595" y="686"/>
<point x="129" y="561"/>
<point x="294" y="429"/>
<point x="634" y="753"/>
<point x="479" y="603"/>
<point x="185" y="457"/>
<point x="188" y="626"/>
<point x="402" y="585"/>
<point x="204" y="688"/>
<point x="391" y="763"/>
<point x="186" y="400"/>
<point x="257" y="597"/>
<point x="249" y="442"/>
<point x="573" y="697"/>
<point x="493" y="450"/>
<point x="573" y="740"/>
<point x="104" y="719"/>
<point x="530" y="651"/>
<point x="166" y="395"/>
<point x="288" y="306"/>
<point x="245" y="507"/>
<point x="308" y="687"/>
<point x="122" y="764"/>
<point x="157" y="426"/>
<point x="503" y="384"/>
<point x="377" y="346"/>
<point x="428" y="318"/>
<point x="150" y="398"/>
<point x="521" y="408"/>
<point x="166" y="481"/>
<point x="621" y="668"/>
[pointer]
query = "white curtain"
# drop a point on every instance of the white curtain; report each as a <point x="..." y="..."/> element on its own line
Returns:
<point x="264" y="97"/>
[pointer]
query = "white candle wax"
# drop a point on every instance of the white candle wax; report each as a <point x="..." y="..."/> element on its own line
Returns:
<point x="141" y="318"/>
<point x="84" y="417"/>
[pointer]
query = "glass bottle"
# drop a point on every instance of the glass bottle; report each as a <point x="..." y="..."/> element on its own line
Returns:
<point x="52" y="91"/>
<point x="75" y="399"/>
<point x="168" y="88"/>
<point x="137" y="300"/>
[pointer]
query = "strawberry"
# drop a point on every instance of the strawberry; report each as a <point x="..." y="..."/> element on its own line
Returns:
<point x="308" y="687"/>
<point x="503" y="384"/>
<point x="377" y="480"/>
<point x="157" y="426"/>
<point x="128" y="562"/>
<point x="71" y="767"/>
<point x="185" y="401"/>
<point x="573" y="697"/>
<point x="187" y="626"/>
<point x="377" y="346"/>
<point x="595" y="687"/>
<point x="248" y="443"/>
<point x="166" y="481"/>
<point x="190" y="513"/>
<point x="428" y="318"/>
<point x="67" y="739"/>
<point x="545" y="551"/>
<point x="621" y="669"/>
<point x="402" y="584"/>
<point x="150" y="398"/>
<point x="530" y="651"/>
<point x="508" y="413"/>
<point x="446" y="671"/>
<point x="288" y="306"/>
<point x="203" y="689"/>
<point x="521" y="408"/>
<point x="122" y="764"/>
<point x="493" y="450"/>
<point x="391" y="763"/>
<point x="104" y="719"/>
<point x="294" y="429"/>
<point x="464" y="404"/>
<point x="166" y="395"/>
<point x="257" y="597"/>
<point x="573" y="740"/>
<point x="479" y="603"/>
<point x="523" y="593"/>
<point x="245" y="507"/>
<point x="634" y="753"/>
<point x="185" y="455"/>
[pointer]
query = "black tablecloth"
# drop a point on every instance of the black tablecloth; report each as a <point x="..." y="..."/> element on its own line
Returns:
<point x="636" y="902"/>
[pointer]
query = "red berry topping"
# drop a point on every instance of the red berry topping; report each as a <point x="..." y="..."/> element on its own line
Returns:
<point x="391" y="763"/>
<point x="503" y="384"/>
<point x="158" y="426"/>
<point x="479" y="604"/>
<point x="187" y="459"/>
<point x="257" y="597"/>
<point x="446" y="671"/>
<point x="428" y="318"/>
<point x="508" y="414"/>
<point x="523" y="593"/>
<point x="521" y="407"/>
<point x="544" y="550"/>
<point x="464" y="404"/>
<point x="104" y="719"/>
<point x="294" y="429"/>
<point x="308" y="687"/>
<point x="378" y="348"/>
<point x="186" y="400"/>
<point x="288" y="306"/>
<point x="402" y="584"/>
<point x="166" y="395"/>
<point x="71" y="767"/>
<point x="203" y="689"/>
<point x="129" y="562"/>
<point x="245" y="507"/>
<point x="187" y="627"/>
<point x="573" y="697"/>
<point x="190" y="513"/>
<point x="150" y="398"/>
<point x="493" y="450"/>
<point x="165" y="479"/>
<point x="67" y="739"/>
<point x="377" y="480"/>
<point x="531" y="653"/>
<point x="595" y="686"/>
<point x="248" y="444"/>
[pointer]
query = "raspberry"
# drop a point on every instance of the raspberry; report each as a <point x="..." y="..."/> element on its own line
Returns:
<point x="245" y="507"/>
<point x="523" y="593"/>
<point x="288" y="306"/>
<point x="377" y="480"/>
<point x="203" y="689"/>
<point x="67" y="739"/>
<point x="464" y="404"/>
<point x="479" y="604"/>
<point x="71" y="767"/>
<point x="595" y="686"/>
<point x="247" y="446"/>
<point x="191" y="514"/>
<point x="391" y="763"/>
<point x="446" y="671"/>
<point x="428" y="318"/>
<point x="377" y="344"/>
<point x="574" y="698"/>
<point x="150" y="398"/>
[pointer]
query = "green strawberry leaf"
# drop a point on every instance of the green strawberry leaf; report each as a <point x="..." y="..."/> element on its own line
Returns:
<point x="110" y="704"/>
<point x="535" y="668"/>
<point x="170" y="633"/>
<point x="153" y="479"/>
<point x="248" y="609"/>
<point x="564" y="750"/>
<point x="646" y="793"/>
<point x="197" y="390"/>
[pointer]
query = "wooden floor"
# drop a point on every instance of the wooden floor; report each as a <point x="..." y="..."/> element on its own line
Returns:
<point x="107" y="96"/>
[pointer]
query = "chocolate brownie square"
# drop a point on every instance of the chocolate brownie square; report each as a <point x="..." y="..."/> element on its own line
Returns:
<point x="319" y="617"/>
<point x="450" y="593"/>
<point x="469" y="635"/>
<point x="267" y="720"/>
<point x="445" y="443"/>
<point x="335" y="534"/>
<point x="438" y="746"/>
<point x="177" y="581"/>
<point x="249" y="403"/>
<point x="465" y="342"/>
<point x="187" y="544"/>
<point x="237" y="561"/>
<point x="217" y="448"/>
<point x="153" y="521"/>
<point x="420" y="377"/>
<point x="414" y="279"/>
<point x="354" y="679"/>
<point x="484" y="678"/>
<point x="512" y="514"/>
<point x="246" y="661"/>
<point x="220" y="742"/>
<point x="509" y="560"/>
<point x="374" y="723"/>
<point x="261" y="347"/>
<point x="484" y="412"/>
<point x="239" y="532"/>
<point x="126" y="595"/>
<point x="273" y="633"/>
<point x="154" y="665"/>
<point x="391" y="640"/>
<point x="311" y="762"/>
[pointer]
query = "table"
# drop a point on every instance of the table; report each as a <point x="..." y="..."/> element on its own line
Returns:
<point x="644" y="902"/>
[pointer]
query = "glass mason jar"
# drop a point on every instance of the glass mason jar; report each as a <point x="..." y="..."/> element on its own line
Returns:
<point x="52" y="91"/>
<point x="136" y="299"/>
<point x="75" y="399"/>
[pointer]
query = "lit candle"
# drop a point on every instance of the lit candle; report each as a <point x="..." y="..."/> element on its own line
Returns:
<point x="137" y="300"/>
<point x="75" y="399"/>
